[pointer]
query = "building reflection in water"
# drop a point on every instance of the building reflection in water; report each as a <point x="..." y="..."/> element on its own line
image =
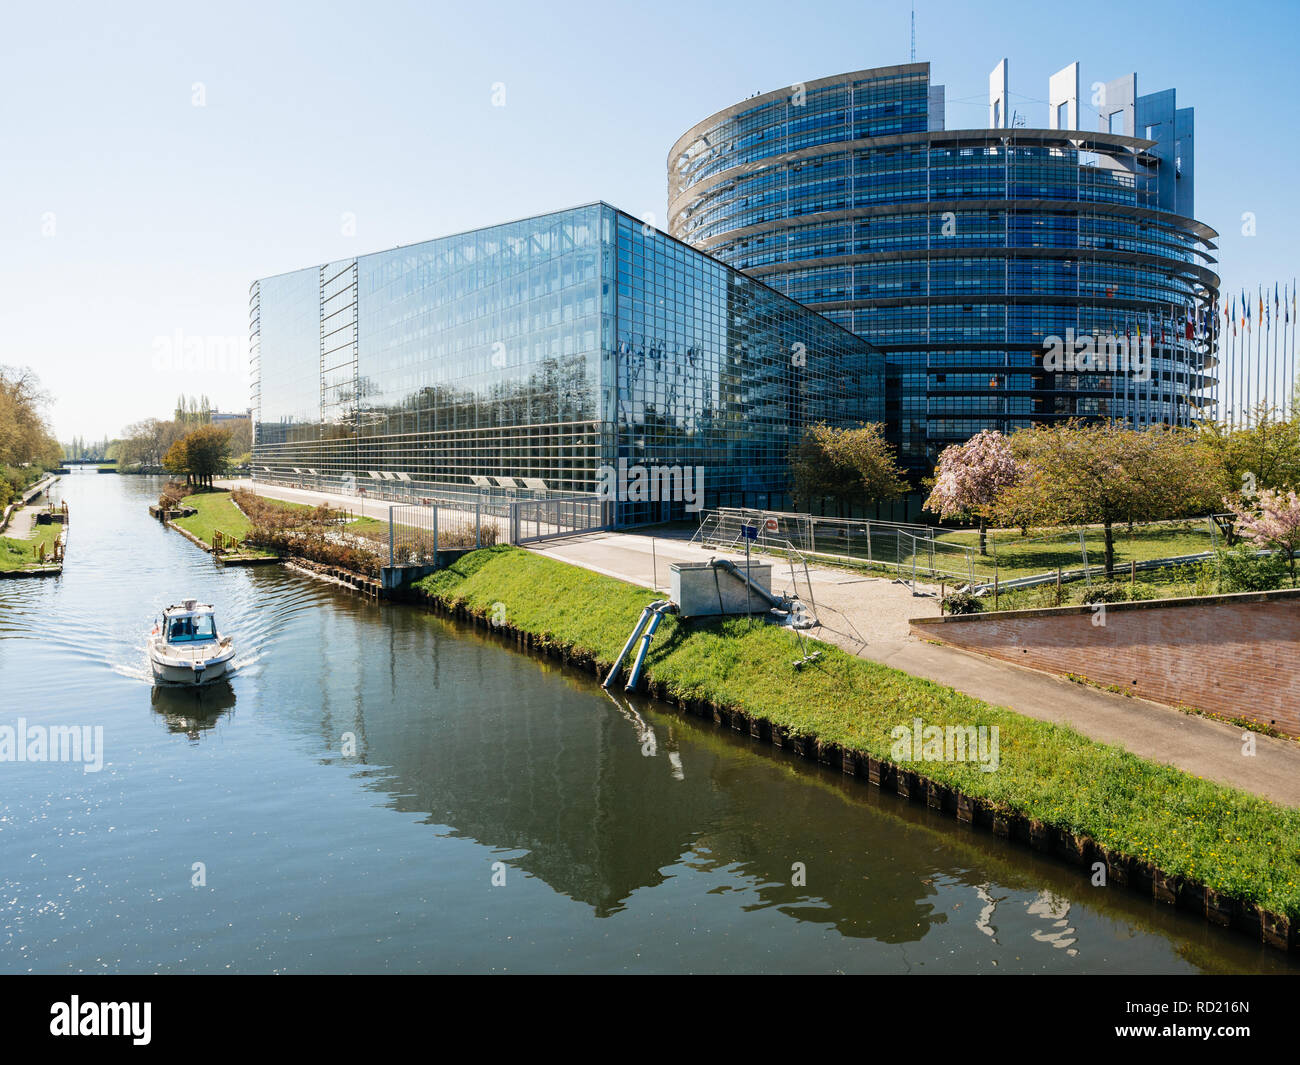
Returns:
<point x="601" y="796"/>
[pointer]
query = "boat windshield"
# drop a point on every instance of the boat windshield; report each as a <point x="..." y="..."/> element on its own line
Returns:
<point x="191" y="630"/>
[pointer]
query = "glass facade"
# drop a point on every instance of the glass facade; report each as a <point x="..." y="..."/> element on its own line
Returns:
<point x="547" y="348"/>
<point x="959" y="252"/>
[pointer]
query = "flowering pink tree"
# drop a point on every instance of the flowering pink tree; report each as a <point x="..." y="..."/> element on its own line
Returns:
<point x="1274" y="522"/>
<point x="969" y="476"/>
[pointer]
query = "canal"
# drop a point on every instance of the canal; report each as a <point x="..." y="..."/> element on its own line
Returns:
<point x="380" y="790"/>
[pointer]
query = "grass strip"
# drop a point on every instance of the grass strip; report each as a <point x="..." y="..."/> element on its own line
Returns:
<point x="216" y="511"/>
<point x="1234" y="842"/>
<point x="18" y="554"/>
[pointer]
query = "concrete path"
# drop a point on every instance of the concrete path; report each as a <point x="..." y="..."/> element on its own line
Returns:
<point x="867" y="616"/>
<point x="21" y="522"/>
<point x="359" y="505"/>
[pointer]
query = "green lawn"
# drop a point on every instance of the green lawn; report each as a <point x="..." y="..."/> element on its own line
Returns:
<point x="216" y="511"/>
<point x="1009" y="554"/>
<point x="1043" y="553"/>
<point x="1234" y="842"/>
<point x="20" y="554"/>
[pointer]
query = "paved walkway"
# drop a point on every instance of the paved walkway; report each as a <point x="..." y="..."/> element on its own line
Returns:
<point x="21" y="522"/>
<point x="359" y="505"/>
<point x="867" y="616"/>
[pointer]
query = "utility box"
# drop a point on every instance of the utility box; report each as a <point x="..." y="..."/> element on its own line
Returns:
<point x="702" y="590"/>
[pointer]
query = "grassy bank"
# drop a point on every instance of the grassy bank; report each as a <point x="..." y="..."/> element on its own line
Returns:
<point x="215" y="512"/>
<point x="22" y="554"/>
<point x="1235" y="843"/>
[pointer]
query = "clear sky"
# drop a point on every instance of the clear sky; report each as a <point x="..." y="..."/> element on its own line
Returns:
<point x="132" y="219"/>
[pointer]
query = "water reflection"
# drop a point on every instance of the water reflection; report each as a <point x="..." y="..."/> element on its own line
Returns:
<point x="193" y="711"/>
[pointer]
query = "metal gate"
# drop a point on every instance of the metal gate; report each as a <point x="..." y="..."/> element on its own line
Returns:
<point x="545" y="519"/>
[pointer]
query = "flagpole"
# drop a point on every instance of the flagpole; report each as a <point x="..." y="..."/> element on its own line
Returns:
<point x="1259" y="359"/>
<point x="1232" y="366"/>
<point x="1239" y="334"/>
<point x="1273" y="368"/>
<point x="1291" y="359"/>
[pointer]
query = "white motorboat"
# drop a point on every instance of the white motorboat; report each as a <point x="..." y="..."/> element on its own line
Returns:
<point x="185" y="647"/>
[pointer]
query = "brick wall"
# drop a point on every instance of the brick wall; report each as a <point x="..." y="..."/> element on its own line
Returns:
<point x="1236" y="655"/>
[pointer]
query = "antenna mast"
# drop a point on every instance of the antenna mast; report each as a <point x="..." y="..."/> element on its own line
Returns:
<point x="913" y="33"/>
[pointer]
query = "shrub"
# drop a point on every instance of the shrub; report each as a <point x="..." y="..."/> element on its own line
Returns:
<point x="172" y="494"/>
<point x="1106" y="592"/>
<point x="1242" y="569"/>
<point x="315" y="545"/>
<point x="962" y="603"/>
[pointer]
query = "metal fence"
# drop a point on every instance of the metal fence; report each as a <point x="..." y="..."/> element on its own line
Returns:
<point x="544" y="519"/>
<point x="426" y="493"/>
<point x="911" y="551"/>
<point x="417" y="532"/>
<point x="927" y="554"/>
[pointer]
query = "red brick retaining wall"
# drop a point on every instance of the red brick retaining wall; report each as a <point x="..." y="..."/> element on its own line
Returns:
<point x="1235" y="655"/>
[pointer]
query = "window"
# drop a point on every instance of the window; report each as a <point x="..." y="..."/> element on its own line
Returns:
<point x="191" y="629"/>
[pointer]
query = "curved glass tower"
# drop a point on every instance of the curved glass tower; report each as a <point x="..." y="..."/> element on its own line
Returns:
<point x="973" y="258"/>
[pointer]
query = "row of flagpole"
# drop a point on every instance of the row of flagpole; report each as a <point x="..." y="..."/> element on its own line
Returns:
<point x="1257" y="353"/>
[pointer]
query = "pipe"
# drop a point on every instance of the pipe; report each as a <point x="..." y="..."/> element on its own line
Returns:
<point x="659" y="610"/>
<point x="734" y="570"/>
<point x="618" y="662"/>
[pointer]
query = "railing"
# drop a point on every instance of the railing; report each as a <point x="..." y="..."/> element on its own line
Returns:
<point x="417" y="532"/>
<point x="544" y="519"/>
<point x="909" y="550"/>
<point x="395" y="491"/>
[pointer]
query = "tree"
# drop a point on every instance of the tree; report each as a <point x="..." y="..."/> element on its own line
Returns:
<point x="25" y="437"/>
<point x="199" y="455"/>
<point x="192" y="411"/>
<point x="1264" y="453"/>
<point x="848" y="465"/>
<point x="1274" y="522"/>
<point x="969" y="476"/>
<point x="1078" y="474"/>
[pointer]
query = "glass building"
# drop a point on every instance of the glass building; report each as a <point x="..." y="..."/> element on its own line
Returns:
<point x="962" y="253"/>
<point x="550" y="348"/>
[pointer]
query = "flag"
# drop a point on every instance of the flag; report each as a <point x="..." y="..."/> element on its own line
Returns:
<point x="1188" y="327"/>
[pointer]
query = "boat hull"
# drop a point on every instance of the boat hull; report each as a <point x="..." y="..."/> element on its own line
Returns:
<point x="192" y="669"/>
<point x="188" y="675"/>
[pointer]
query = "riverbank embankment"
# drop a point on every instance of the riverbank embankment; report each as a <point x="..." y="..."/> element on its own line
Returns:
<point x="1125" y="821"/>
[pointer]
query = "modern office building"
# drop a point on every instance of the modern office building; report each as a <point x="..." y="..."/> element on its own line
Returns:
<point x="961" y="253"/>
<point x="541" y="354"/>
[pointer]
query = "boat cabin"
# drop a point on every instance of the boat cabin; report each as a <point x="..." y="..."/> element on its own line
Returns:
<point x="191" y="622"/>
